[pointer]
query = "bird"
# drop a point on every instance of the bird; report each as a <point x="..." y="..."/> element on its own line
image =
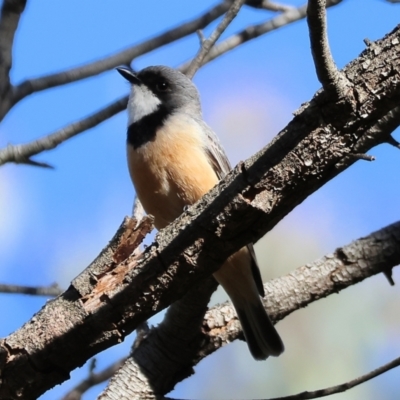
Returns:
<point x="174" y="158"/>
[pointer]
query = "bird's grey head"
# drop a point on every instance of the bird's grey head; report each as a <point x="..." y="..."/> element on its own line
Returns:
<point x="160" y="88"/>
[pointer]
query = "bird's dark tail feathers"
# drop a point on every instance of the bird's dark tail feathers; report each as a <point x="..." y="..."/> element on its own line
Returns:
<point x="261" y="336"/>
<point x="241" y="279"/>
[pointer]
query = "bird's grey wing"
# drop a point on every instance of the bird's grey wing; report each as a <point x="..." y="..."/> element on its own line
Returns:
<point x="215" y="152"/>
<point x="221" y="166"/>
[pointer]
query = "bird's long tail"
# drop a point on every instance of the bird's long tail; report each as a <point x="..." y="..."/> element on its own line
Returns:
<point x="261" y="336"/>
<point x="236" y="277"/>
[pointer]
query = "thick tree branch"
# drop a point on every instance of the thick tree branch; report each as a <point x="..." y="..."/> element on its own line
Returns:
<point x="170" y="348"/>
<point x="207" y="44"/>
<point x="22" y="153"/>
<point x="11" y="11"/>
<point x="109" y="299"/>
<point x="355" y="262"/>
<point x="328" y="74"/>
<point x="123" y="57"/>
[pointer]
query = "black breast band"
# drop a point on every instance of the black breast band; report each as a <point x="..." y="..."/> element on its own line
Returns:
<point x="144" y="130"/>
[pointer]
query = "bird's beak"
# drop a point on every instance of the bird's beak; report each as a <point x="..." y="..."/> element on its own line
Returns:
<point x="129" y="75"/>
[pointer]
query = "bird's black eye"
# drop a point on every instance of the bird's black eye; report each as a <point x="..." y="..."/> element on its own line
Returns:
<point x="162" y="86"/>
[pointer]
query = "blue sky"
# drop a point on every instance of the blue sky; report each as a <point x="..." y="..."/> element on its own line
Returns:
<point x="53" y="223"/>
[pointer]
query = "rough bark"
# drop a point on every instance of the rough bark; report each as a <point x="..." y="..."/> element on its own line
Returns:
<point x="160" y="362"/>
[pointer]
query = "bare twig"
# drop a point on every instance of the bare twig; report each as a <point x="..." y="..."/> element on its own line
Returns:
<point x="52" y="290"/>
<point x="268" y="5"/>
<point x="393" y="142"/>
<point x="22" y="153"/>
<point x="328" y="74"/>
<point x="360" y="156"/>
<point x="124" y="57"/>
<point x="34" y="163"/>
<point x="382" y="131"/>
<point x="254" y="31"/>
<point x="208" y="43"/>
<point x="201" y="36"/>
<point x="92" y="380"/>
<point x="386" y="125"/>
<point x="10" y="14"/>
<point x="344" y="386"/>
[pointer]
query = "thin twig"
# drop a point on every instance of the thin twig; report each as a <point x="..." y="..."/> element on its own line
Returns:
<point x="52" y="290"/>
<point x="328" y="74"/>
<point x="123" y="57"/>
<point x="379" y="133"/>
<point x="254" y="31"/>
<point x="361" y="156"/>
<point x="382" y="131"/>
<point x="269" y="5"/>
<point x="22" y="153"/>
<point x="208" y="43"/>
<point x="92" y="380"/>
<point x="344" y="386"/>
<point x="387" y="125"/>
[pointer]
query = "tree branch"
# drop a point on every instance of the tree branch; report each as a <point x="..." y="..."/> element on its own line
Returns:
<point x="22" y="153"/>
<point x="386" y="125"/>
<point x="115" y="294"/>
<point x="11" y="11"/>
<point x="328" y="74"/>
<point x="329" y="275"/>
<point x="254" y="31"/>
<point x="344" y="386"/>
<point x="269" y="5"/>
<point x="170" y="348"/>
<point x="92" y="380"/>
<point x="53" y="290"/>
<point x="123" y="57"/>
<point x="208" y="43"/>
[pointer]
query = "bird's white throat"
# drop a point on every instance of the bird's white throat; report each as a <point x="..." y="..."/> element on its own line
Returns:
<point x="142" y="102"/>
